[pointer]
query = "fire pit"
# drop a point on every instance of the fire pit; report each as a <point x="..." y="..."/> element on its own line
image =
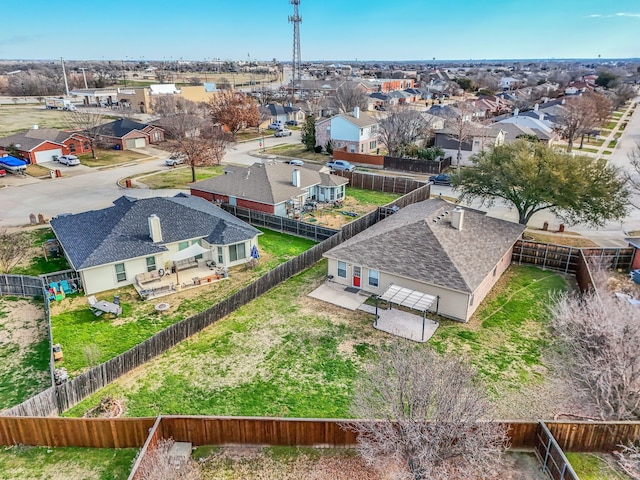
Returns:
<point x="162" y="307"/>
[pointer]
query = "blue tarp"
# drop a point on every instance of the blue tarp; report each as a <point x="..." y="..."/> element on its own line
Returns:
<point x="12" y="161"/>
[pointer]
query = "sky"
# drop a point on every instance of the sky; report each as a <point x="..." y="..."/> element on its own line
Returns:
<point x="345" y="30"/>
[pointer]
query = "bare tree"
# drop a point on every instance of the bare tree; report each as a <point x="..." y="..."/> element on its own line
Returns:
<point x="628" y="459"/>
<point x="581" y="115"/>
<point x="401" y="128"/>
<point x="348" y="96"/>
<point x="424" y="417"/>
<point x="13" y="249"/>
<point x="158" y="465"/>
<point x="461" y="127"/>
<point x="88" y="123"/>
<point x="234" y="110"/>
<point x="599" y="335"/>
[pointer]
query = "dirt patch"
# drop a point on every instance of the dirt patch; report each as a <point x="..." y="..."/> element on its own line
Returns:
<point x="22" y="324"/>
<point x="332" y="217"/>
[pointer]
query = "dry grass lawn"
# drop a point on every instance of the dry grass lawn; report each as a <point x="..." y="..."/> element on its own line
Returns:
<point x="19" y="118"/>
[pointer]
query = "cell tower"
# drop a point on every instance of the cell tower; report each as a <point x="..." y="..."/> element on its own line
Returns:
<point x="296" y="19"/>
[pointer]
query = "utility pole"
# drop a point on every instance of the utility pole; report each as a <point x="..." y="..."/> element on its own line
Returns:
<point x="84" y="75"/>
<point x="64" y="75"/>
<point x="296" y="19"/>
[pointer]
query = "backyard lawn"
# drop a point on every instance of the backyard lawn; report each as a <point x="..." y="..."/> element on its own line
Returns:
<point x="24" y="351"/>
<point x="36" y="264"/>
<point x="88" y="340"/>
<point x="178" y="177"/>
<point x="589" y="466"/>
<point x="286" y="354"/>
<point x="43" y="463"/>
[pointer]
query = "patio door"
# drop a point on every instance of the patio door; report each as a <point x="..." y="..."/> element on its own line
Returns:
<point x="357" y="272"/>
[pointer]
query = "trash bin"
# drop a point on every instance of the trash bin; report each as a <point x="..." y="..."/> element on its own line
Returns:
<point x="116" y="299"/>
<point x="58" y="173"/>
<point x="52" y="173"/>
<point x="116" y="147"/>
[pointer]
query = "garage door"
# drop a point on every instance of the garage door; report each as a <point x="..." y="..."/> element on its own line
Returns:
<point x="47" y="156"/>
<point x="136" y="143"/>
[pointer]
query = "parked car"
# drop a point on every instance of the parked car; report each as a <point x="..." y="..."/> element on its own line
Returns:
<point x="341" y="165"/>
<point x="69" y="160"/>
<point x="292" y="122"/>
<point x="174" y="160"/>
<point x="283" y="132"/>
<point x="295" y="162"/>
<point x="440" y="179"/>
<point x="275" y="126"/>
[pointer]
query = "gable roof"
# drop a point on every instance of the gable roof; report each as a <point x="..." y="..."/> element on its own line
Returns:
<point x="35" y="137"/>
<point x="121" y="232"/>
<point x="119" y="128"/>
<point x="363" y="120"/>
<point x="411" y="244"/>
<point x="269" y="183"/>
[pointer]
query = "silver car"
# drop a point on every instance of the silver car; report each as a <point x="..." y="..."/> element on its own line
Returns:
<point x="69" y="160"/>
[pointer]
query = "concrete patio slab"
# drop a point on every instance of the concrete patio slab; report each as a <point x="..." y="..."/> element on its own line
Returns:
<point x="403" y="324"/>
<point x="337" y="295"/>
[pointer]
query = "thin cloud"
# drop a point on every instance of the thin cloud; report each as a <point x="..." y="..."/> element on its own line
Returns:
<point x="614" y="15"/>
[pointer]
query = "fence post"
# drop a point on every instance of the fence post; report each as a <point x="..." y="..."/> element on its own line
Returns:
<point x="544" y="260"/>
<point x="566" y="269"/>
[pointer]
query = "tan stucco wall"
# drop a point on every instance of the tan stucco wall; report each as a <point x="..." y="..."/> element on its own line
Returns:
<point x="196" y="93"/>
<point x="490" y="280"/>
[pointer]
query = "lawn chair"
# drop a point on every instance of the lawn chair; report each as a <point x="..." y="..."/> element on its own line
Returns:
<point x="66" y="288"/>
<point x="92" y="302"/>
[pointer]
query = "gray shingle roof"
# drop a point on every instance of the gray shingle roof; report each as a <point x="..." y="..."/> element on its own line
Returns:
<point x="121" y="232"/>
<point x="32" y="138"/>
<point x="119" y="128"/>
<point x="411" y="245"/>
<point x="269" y="183"/>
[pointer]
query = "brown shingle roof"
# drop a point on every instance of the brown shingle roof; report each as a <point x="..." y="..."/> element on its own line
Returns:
<point x="411" y="244"/>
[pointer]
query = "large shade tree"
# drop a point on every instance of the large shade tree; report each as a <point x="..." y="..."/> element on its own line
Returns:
<point x="234" y="110"/>
<point x="534" y="177"/>
<point x="401" y="129"/>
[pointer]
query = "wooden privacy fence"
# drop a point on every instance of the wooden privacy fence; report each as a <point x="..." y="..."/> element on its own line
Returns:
<point x="554" y="462"/>
<point x="21" y="285"/>
<point x="417" y="166"/>
<point x="381" y="183"/>
<point x="280" y="224"/>
<point x="367" y="159"/>
<point x="70" y="393"/>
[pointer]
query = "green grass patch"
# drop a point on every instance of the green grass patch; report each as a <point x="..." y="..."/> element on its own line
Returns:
<point x="46" y="462"/>
<point x="590" y="466"/>
<point x="616" y="115"/>
<point x="37" y="171"/>
<point x="610" y="125"/>
<point x="370" y="197"/>
<point x="507" y="336"/>
<point x="37" y="264"/>
<point x="107" y="158"/>
<point x="287" y="355"/>
<point x="617" y="135"/>
<point x="297" y="150"/>
<point x="24" y="350"/>
<point x="612" y="144"/>
<point x="246" y="135"/>
<point x="87" y="340"/>
<point x="590" y="150"/>
<point x="178" y="177"/>
<point x="607" y="152"/>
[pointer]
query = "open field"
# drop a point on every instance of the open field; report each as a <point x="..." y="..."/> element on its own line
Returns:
<point x="24" y="351"/>
<point x="14" y="119"/>
<point x="178" y="177"/>
<point x="286" y="354"/>
<point x="87" y="340"/>
<point x="284" y="463"/>
<point x="42" y="463"/>
<point x="107" y="158"/>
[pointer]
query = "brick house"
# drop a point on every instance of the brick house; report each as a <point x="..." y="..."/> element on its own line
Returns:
<point x="124" y="134"/>
<point x="40" y="145"/>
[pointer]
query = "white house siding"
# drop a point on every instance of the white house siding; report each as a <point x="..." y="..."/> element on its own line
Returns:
<point x="453" y="304"/>
<point x="280" y="209"/>
<point x="103" y="277"/>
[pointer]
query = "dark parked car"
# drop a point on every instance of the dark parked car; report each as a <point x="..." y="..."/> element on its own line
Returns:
<point x="441" y="179"/>
<point x="292" y="122"/>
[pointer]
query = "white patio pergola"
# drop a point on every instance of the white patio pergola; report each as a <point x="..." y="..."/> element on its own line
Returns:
<point x="408" y="298"/>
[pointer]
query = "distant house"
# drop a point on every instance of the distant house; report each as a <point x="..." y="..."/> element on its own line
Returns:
<point x="124" y="134"/>
<point x="41" y="145"/>
<point x="357" y="132"/>
<point x="110" y="247"/>
<point x="273" y="187"/>
<point x="481" y="137"/>
<point x="456" y="255"/>
<point x="284" y="113"/>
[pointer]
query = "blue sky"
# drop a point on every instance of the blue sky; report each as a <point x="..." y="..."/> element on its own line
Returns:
<point x="330" y="30"/>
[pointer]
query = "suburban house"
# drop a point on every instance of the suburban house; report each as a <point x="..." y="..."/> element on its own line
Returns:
<point x="536" y="123"/>
<point x="357" y="132"/>
<point x="284" y="113"/>
<point x="480" y="137"/>
<point x="272" y="187"/>
<point x="124" y="133"/>
<point x="110" y="247"/>
<point x="433" y="247"/>
<point x="40" y="145"/>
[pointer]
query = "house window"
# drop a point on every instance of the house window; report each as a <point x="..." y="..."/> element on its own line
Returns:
<point x="183" y="245"/>
<point x="362" y="148"/>
<point x="471" y="300"/>
<point x="361" y="131"/>
<point x="156" y="137"/>
<point x="86" y="145"/>
<point x="374" y="275"/>
<point x="372" y="145"/>
<point x="151" y="264"/>
<point x="332" y="194"/>
<point x="237" y="252"/>
<point x="197" y="257"/>
<point x="72" y="147"/>
<point x="220" y="257"/>
<point x="342" y="269"/>
<point x="121" y="273"/>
